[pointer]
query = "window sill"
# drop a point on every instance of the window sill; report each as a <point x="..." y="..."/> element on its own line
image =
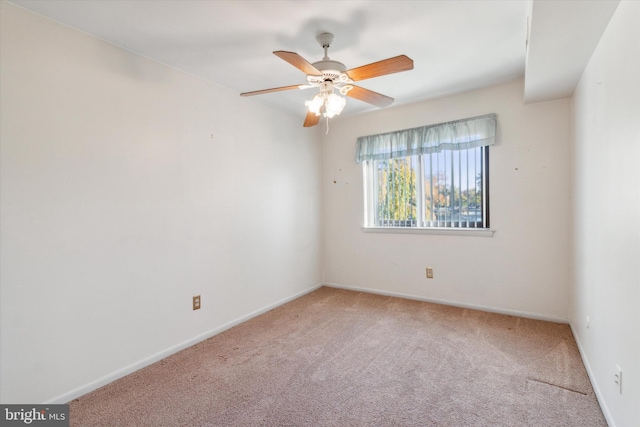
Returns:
<point x="478" y="232"/>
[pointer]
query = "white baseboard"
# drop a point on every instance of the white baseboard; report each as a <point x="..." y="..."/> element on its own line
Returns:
<point x="592" y="378"/>
<point x="516" y="313"/>
<point x="80" y="391"/>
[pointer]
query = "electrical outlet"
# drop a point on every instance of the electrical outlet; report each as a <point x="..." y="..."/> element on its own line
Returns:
<point x="429" y="273"/>
<point x="196" y="302"/>
<point x="617" y="379"/>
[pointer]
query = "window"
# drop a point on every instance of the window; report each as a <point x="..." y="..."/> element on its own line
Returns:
<point x="430" y="177"/>
<point x="445" y="189"/>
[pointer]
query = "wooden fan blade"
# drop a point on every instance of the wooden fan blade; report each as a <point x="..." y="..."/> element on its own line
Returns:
<point x="311" y="120"/>
<point x="298" y="61"/>
<point x="370" y="97"/>
<point x="381" y="68"/>
<point x="275" y="89"/>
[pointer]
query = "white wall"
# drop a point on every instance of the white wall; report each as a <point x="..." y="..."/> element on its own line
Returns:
<point x="606" y="113"/>
<point x="523" y="268"/>
<point x="118" y="206"/>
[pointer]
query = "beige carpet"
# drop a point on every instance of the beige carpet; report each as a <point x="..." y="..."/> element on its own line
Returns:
<point x="342" y="358"/>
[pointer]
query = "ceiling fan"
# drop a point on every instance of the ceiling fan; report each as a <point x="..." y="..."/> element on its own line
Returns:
<point x="329" y="75"/>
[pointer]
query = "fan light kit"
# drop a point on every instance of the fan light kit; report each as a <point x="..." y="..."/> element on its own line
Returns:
<point x="331" y="76"/>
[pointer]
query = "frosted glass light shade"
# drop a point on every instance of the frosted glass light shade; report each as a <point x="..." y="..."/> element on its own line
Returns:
<point x="315" y="104"/>
<point x="334" y="105"/>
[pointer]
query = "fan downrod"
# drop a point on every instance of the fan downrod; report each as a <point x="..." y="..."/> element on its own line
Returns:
<point x="327" y="65"/>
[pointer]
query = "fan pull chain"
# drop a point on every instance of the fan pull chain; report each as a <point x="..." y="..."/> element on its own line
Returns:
<point x="327" y="132"/>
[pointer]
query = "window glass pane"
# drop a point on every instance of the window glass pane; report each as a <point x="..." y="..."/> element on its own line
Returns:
<point x="396" y="195"/>
<point x="442" y="190"/>
<point x="453" y="188"/>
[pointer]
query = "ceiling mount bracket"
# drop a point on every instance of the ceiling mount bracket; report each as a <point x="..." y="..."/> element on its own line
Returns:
<point x="325" y="40"/>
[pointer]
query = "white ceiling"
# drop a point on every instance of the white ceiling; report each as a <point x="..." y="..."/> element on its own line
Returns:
<point x="456" y="46"/>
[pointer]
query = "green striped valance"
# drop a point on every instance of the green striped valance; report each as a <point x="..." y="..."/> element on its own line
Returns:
<point x="457" y="135"/>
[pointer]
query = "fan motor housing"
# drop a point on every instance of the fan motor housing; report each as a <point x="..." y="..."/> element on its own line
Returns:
<point x="330" y="69"/>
